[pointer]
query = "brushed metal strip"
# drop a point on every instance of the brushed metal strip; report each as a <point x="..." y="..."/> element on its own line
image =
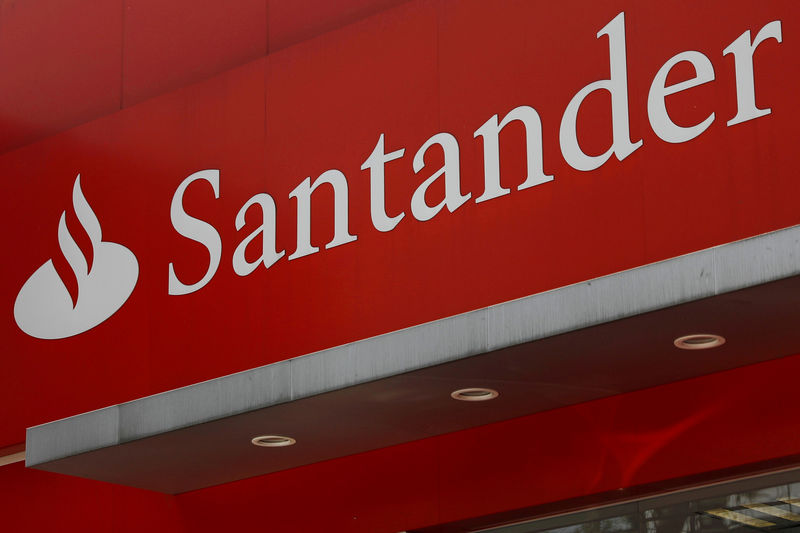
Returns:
<point x="725" y="268"/>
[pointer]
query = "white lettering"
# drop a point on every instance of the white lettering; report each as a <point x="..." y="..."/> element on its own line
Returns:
<point x="196" y="230"/>
<point x="617" y="85"/>
<point x="743" y="51"/>
<point x="449" y="173"/>
<point x="660" y="120"/>
<point x="490" y="132"/>
<point x="451" y="169"/>
<point x="302" y="193"/>
<point x="376" y="163"/>
<point x="269" y="255"/>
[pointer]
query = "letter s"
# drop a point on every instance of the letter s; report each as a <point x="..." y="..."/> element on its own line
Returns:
<point x="196" y="230"/>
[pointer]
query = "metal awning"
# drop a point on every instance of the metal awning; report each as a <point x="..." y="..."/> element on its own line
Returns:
<point x="582" y="342"/>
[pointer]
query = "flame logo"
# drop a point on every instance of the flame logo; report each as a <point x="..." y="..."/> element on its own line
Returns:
<point x="44" y="308"/>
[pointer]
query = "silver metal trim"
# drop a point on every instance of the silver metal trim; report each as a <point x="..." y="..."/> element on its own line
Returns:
<point x="694" y="276"/>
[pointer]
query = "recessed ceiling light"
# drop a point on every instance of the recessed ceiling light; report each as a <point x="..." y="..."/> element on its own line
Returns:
<point x="699" y="341"/>
<point x="475" y="394"/>
<point x="273" y="441"/>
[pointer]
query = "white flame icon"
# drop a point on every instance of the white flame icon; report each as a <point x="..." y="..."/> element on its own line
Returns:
<point x="44" y="308"/>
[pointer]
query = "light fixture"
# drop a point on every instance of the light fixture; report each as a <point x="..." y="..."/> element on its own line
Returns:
<point x="699" y="341"/>
<point x="474" y="394"/>
<point x="273" y="441"/>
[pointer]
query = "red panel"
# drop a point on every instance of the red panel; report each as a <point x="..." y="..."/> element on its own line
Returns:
<point x="37" y="502"/>
<point x="62" y="60"/>
<point x="293" y="21"/>
<point x="671" y="431"/>
<point x="715" y="168"/>
<point x="663" y="200"/>
<point x="172" y="44"/>
<point x="409" y="73"/>
<point x="666" y="432"/>
<point x="386" y="69"/>
<point x="60" y="63"/>
<point x="385" y="490"/>
<point x="122" y="156"/>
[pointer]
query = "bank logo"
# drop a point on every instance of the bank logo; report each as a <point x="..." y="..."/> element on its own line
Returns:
<point x="45" y="309"/>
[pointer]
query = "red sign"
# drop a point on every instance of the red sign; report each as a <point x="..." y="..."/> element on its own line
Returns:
<point x="426" y="164"/>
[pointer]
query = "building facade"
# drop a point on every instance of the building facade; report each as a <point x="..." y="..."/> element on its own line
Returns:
<point x="424" y="265"/>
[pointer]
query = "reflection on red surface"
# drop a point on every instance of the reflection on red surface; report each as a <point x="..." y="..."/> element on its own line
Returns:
<point x="560" y="454"/>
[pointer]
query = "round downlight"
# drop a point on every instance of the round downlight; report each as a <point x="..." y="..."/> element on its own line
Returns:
<point x="273" y="441"/>
<point x="699" y="341"/>
<point x="475" y="394"/>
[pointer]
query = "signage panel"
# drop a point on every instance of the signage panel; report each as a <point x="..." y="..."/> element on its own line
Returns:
<point x="431" y="160"/>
